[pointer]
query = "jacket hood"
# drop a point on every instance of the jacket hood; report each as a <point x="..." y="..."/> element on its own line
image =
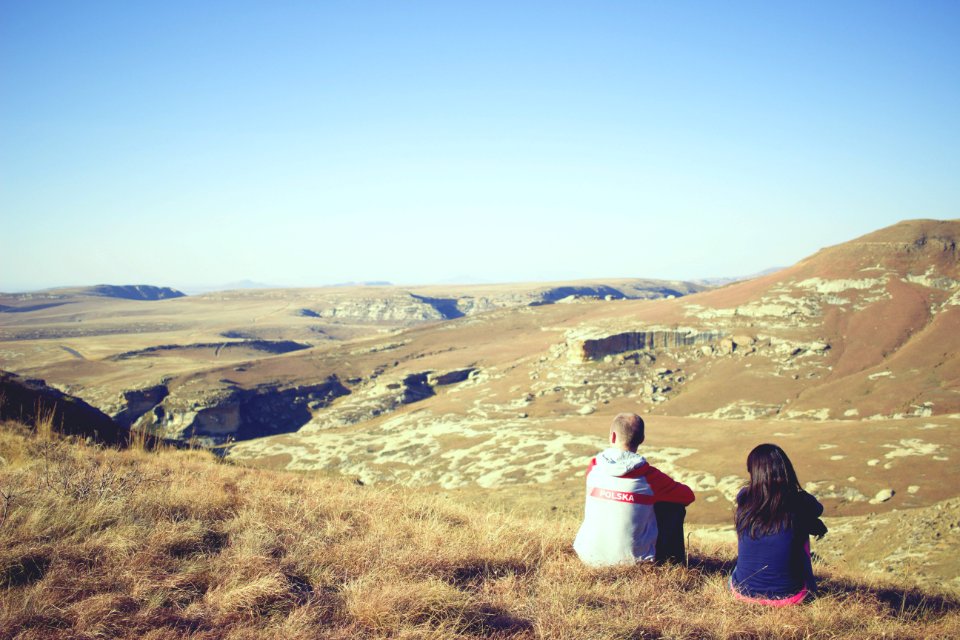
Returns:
<point x="616" y="462"/>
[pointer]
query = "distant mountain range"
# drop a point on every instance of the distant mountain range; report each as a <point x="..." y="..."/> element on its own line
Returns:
<point x="125" y="292"/>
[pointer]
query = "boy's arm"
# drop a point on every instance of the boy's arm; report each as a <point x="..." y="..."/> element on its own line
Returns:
<point x="666" y="489"/>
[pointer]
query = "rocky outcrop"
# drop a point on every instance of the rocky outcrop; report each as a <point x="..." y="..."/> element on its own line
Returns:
<point x="416" y="388"/>
<point x="23" y="399"/>
<point x="450" y="377"/>
<point x="638" y="291"/>
<point x="447" y="307"/>
<point x="471" y="305"/>
<point x="410" y="307"/>
<point x="133" y="292"/>
<point x="600" y="292"/>
<point x="596" y="347"/>
<point x="402" y="309"/>
<point x="137" y="402"/>
<point x="241" y="414"/>
<point x="375" y="396"/>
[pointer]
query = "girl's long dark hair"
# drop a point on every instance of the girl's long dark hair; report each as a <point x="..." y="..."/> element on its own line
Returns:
<point x="763" y="507"/>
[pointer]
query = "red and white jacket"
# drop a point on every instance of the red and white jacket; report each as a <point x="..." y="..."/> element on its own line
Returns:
<point x="619" y="525"/>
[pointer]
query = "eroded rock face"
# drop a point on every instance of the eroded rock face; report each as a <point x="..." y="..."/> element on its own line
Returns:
<point x="558" y="294"/>
<point x="403" y="310"/>
<point x="597" y="347"/>
<point x="378" y="396"/>
<point x="234" y="413"/>
<point x="24" y="399"/>
<point x="416" y="388"/>
<point x="241" y="414"/>
<point x="446" y="307"/>
<point x="450" y="377"/>
<point x="407" y="307"/>
<point x="137" y="402"/>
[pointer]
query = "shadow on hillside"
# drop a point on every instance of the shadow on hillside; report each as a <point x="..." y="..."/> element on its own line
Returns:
<point x="902" y="603"/>
<point x="710" y="565"/>
<point x="486" y="619"/>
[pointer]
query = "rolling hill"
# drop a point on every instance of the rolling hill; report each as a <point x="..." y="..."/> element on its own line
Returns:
<point x="848" y="359"/>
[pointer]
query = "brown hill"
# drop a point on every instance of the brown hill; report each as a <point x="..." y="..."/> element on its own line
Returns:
<point x="848" y="359"/>
<point x="863" y="329"/>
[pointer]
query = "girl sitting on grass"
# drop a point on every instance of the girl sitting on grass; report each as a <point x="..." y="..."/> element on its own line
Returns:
<point x="775" y="519"/>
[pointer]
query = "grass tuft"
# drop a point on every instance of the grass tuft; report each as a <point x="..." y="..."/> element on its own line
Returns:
<point x="44" y="422"/>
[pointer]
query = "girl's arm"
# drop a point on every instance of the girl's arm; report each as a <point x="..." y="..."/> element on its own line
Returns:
<point x="809" y="512"/>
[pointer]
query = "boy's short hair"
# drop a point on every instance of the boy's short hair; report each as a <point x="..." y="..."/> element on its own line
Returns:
<point x="629" y="429"/>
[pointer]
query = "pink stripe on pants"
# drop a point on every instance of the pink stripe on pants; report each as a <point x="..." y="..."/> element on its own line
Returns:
<point x="770" y="602"/>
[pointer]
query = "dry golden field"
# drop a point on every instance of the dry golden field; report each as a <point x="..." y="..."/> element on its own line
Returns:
<point x="493" y="398"/>
<point x="103" y="543"/>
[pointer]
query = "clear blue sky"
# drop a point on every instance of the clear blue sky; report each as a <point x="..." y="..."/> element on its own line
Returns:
<point x="303" y="143"/>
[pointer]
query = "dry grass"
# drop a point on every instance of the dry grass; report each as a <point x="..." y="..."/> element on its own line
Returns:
<point x="98" y="543"/>
<point x="140" y="440"/>
<point x="44" y="423"/>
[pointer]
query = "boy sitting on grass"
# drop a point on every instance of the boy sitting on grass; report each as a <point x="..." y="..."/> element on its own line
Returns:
<point x="633" y="511"/>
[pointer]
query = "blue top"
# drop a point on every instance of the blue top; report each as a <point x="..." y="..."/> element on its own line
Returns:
<point x="776" y="565"/>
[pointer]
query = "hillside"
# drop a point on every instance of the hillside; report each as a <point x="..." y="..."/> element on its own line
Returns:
<point x="125" y="544"/>
<point x="848" y="359"/>
<point x="863" y="330"/>
<point x="791" y="356"/>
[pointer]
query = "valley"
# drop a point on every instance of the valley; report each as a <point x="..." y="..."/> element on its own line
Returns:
<point x="500" y="394"/>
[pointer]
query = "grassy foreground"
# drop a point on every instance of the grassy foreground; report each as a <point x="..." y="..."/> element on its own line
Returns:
<point x="100" y="543"/>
